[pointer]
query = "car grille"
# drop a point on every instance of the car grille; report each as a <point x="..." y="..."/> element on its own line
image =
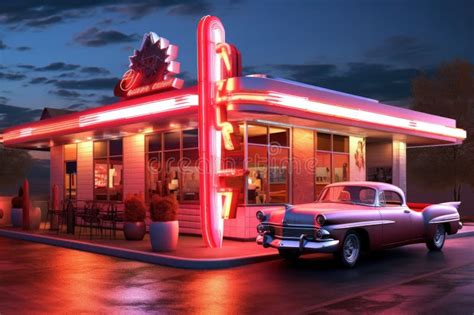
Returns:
<point x="280" y="231"/>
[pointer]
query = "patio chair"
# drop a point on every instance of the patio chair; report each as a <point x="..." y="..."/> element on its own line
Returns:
<point x="59" y="214"/>
<point x="111" y="216"/>
<point x="89" y="218"/>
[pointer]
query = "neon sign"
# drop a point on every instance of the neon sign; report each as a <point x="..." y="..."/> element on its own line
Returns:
<point x="151" y="68"/>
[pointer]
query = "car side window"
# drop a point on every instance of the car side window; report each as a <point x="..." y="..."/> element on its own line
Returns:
<point x="392" y="199"/>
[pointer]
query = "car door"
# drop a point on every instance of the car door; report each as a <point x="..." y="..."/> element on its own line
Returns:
<point x="396" y="218"/>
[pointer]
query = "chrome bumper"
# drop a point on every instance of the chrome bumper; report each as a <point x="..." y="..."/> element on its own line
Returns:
<point x="304" y="245"/>
<point x="459" y="225"/>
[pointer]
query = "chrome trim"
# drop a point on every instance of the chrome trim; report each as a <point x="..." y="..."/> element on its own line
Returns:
<point x="359" y="224"/>
<point x="326" y="246"/>
<point x="445" y="218"/>
<point x="293" y="226"/>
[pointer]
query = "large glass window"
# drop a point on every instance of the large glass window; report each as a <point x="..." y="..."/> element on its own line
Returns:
<point x="108" y="170"/>
<point x="332" y="160"/>
<point x="172" y="165"/>
<point x="268" y="162"/>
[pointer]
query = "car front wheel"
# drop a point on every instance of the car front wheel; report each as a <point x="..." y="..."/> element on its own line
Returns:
<point x="350" y="250"/>
<point x="436" y="243"/>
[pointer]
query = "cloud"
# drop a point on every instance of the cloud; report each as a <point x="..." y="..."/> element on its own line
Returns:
<point x="88" y="84"/>
<point x="95" y="70"/>
<point x="40" y="14"/>
<point x="23" y="48"/>
<point x="65" y="93"/>
<point x="12" y="76"/>
<point x="379" y="81"/>
<point x="3" y="45"/>
<point x="58" y="66"/>
<point x="401" y="49"/>
<point x="93" y="37"/>
<point x="28" y="67"/>
<point x="45" y="22"/>
<point x="104" y="100"/>
<point x="38" y="80"/>
<point x="14" y="115"/>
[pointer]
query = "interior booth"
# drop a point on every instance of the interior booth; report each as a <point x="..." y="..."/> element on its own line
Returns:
<point x="291" y="139"/>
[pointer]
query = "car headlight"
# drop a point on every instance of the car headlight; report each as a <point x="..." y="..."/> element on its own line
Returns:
<point x="260" y="229"/>
<point x="260" y="216"/>
<point x="320" y="219"/>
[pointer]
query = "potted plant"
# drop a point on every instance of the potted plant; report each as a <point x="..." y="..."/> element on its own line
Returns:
<point x="17" y="209"/>
<point x="134" y="227"/>
<point x="164" y="228"/>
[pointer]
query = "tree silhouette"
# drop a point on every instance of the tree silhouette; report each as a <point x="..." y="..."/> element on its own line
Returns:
<point x="450" y="93"/>
<point x="14" y="165"/>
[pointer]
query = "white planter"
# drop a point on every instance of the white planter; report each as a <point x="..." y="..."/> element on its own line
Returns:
<point x="164" y="236"/>
<point x="17" y="217"/>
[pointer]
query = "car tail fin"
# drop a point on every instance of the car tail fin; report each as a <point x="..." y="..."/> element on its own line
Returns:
<point x="454" y="204"/>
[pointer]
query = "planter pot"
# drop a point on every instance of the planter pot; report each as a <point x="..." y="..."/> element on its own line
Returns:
<point x="134" y="231"/>
<point x="35" y="218"/>
<point x="17" y="217"/>
<point x="164" y="236"/>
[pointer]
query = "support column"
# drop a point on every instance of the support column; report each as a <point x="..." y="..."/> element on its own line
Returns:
<point x="399" y="164"/>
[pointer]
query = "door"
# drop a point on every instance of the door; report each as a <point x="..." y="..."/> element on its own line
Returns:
<point x="397" y="218"/>
<point x="70" y="179"/>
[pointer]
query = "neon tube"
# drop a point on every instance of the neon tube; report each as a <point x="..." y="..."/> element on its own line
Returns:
<point x="303" y="103"/>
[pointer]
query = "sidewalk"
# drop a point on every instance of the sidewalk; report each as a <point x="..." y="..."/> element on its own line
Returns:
<point x="191" y="252"/>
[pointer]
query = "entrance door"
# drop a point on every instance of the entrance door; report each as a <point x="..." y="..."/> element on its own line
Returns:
<point x="70" y="180"/>
<point x="397" y="228"/>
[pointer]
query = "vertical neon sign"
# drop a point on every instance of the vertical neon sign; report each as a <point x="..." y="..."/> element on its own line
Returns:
<point x="210" y="34"/>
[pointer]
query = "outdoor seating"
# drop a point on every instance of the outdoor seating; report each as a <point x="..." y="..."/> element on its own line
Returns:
<point x="55" y="217"/>
<point x="110" y="217"/>
<point x="89" y="217"/>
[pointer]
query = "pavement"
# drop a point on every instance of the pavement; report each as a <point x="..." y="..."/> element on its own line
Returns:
<point x="191" y="252"/>
<point x="41" y="279"/>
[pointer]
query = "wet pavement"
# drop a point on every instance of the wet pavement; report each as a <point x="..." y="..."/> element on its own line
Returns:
<point x="36" y="278"/>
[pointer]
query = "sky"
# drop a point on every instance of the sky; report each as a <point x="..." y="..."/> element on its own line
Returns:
<point x="69" y="54"/>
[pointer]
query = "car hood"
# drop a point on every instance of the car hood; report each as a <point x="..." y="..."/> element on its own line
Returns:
<point x="306" y="213"/>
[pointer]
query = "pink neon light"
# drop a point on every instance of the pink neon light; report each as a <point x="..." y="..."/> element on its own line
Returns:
<point x="210" y="33"/>
<point x="74" y="124"/>
<point x="303" y="103"/>
<point x="138" y="110"/>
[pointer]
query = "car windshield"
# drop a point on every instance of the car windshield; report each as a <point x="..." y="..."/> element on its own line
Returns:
<point x="348" y="194"/>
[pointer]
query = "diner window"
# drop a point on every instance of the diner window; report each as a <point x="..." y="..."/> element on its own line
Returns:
<point x="108" y="170"/>
<point x="332" y="160"/>
<point x="268" y="161"/>
<point x="70" y="174"/>
<point x="172" y="165"/>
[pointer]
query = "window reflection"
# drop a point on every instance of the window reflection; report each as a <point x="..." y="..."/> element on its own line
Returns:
<point x="108" y="170"/>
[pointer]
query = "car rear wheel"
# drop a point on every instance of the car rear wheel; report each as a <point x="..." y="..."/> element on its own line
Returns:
<point x="436" y="243"/>
<point x="289" y="253"/>
<point x="350" y="250"/>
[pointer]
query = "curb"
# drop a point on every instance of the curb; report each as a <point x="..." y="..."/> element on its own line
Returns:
<point x="151" y="258"/>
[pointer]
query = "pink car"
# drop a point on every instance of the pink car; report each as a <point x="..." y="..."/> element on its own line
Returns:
<point x="350" y="217"/>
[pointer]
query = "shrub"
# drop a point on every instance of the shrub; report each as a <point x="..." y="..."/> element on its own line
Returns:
<point x="134" y="209"/>
<point x="17" y="202"/>
<point x="163" y="209"/>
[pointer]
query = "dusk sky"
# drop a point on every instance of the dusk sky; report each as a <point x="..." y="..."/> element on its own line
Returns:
<point x="69" y="54"/>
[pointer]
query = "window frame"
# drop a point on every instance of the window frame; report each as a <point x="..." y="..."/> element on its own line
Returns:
<point x="268" y="146"/>
<point x="108" y="159"/>
<point x="391" y="205"/>
<point x="332" y="155"/>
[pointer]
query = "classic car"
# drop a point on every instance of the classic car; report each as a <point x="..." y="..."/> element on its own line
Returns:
<point x="351" y="217"/>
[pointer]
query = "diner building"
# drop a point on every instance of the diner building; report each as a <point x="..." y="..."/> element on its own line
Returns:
<point x="291" y="139"/>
